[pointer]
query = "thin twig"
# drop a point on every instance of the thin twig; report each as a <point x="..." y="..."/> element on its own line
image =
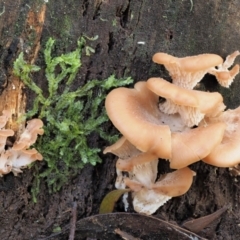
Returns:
<point x="73" y="222"/>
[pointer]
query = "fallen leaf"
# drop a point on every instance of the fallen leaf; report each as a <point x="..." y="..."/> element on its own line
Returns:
<point x="110" y="199"/>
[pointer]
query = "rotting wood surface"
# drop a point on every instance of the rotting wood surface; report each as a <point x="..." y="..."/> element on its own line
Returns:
<point x="12" y="97"/>
<point x="129" y="33"/>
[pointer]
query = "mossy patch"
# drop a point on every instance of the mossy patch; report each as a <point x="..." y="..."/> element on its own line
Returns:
<point x="69" y="116"/>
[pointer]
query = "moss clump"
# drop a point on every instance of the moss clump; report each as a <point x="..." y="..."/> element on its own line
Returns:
<point x="69" y="116"/>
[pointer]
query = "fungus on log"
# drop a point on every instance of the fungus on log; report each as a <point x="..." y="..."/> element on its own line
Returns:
<point x="19" y="156"/>
<point x="166" y="131"/>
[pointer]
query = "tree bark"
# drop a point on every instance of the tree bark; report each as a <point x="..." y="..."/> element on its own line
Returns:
<point x="129" y="33"/>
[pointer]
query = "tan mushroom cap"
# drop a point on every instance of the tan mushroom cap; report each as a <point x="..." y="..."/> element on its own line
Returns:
<point x="29" y="135"/>
<point x="192" y="105"/>
<point x="223" y="75"/>
<point x="175" y="183"/>
<point x="6" y="132"/>
<point x="170" y="91"/>
<point x="171" y="184"/>
<point x="122" y="148"/>
<point x="226" y="153"/>
<point x="148" y="199"/>
<point x="193" y="145"/>
<point x="189" y="64"/>
<point x="225" y="78"/>
<point x="33" y="153"/>
<point x="128" y="165"/>
<point x="35" y="125"/>
<point x="188" y="71"/>
<point x="20" y="145"/>
<point x="129" y="155"/>
<point x="230" y="60"/>
<point x="206" y="102"/>
<point x="134" y="112"/>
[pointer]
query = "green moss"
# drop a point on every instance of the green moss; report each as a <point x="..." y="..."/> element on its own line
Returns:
<point x="69" y="116"/>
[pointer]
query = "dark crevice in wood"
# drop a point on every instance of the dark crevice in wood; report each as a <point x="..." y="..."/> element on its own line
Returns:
<point x="85" y="7"/>
<point x="110" y="42"/>
<point x="97" y="9"/>
<point x="125" y="16"/>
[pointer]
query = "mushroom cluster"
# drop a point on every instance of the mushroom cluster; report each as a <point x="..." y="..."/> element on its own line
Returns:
<point x="175" y="129"/>
<point x="19" y="156"/>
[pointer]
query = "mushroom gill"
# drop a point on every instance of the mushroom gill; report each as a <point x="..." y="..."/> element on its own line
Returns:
<point x="19" y="156"/>
<point x="147" y="199"/>
<point x="140" y="166"/>
<point x="22" y="158"/>
<point x="188" y="71"/>
<point x="192" y="105"/>
<point x="188" y="127"/>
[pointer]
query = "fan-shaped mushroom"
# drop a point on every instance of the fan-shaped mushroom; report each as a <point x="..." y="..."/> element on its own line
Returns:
<point x="18" y="157"/>
<point x="29" y="135"/>
<point x="165" y="131"/>
<point x="22" y="158"/>
<point x="192" y="105"/>
<point x="139" y="120"/>
<point x="135" y="114"/>
<point x="188" y="71"/>
<point x="140" y="166"/>
<point x="224" y="76"/>
<point x="227" y="152"/>
<point x="147" y="199"/>
<point x="193" y="145"/>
